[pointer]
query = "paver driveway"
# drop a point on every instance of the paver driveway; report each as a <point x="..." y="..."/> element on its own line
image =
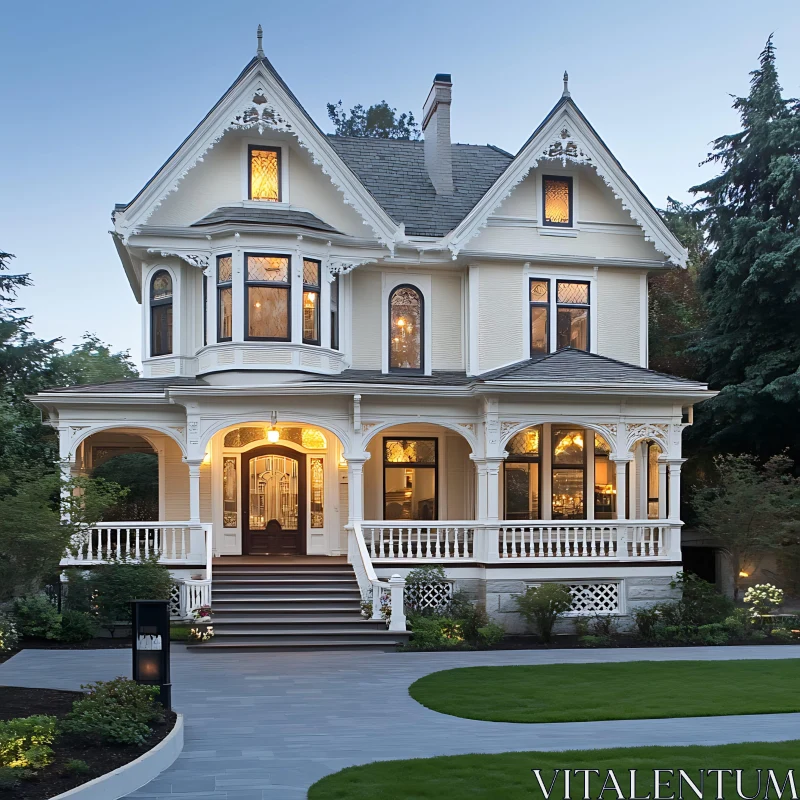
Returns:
<point x="265" y="726"/>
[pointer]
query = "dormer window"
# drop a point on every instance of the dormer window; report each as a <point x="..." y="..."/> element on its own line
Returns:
<point x="405" y="329"/>
<point x="311" y="304"/>
<point x="267" y="304"/>
<point x="557" y="201"/>
<point x="161" y="314"/>
<point x="264" y="173"/>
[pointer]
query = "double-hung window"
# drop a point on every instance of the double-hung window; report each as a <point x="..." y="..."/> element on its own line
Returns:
<point x="572" y="314"/>
<point x="540" y="316"/>
<point x="268" y="297"/>
<point x="224" y="298"/>
<point x="557" y="201"/>
<point x="311" y="303"/>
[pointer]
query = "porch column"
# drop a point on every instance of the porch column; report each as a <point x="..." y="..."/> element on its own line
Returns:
<point x="674" y="465"/>
<point x="493" y="490"/>
<point x="481" y="492"/>
<point x="662" y="489"/>
<point x="194" y="491"/>
<point x="197" y="543"/>
<point x="355" y="486"/>
<point x="621" y="470"/>
<point x="66" y="468"/>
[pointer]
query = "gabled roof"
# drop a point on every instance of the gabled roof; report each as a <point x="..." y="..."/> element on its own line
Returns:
<point x="264" y="216"/>
<point x="394" y="172"/>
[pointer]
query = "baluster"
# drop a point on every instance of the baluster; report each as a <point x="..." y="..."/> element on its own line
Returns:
<point x="419" y="543"/>
<point x="391" y="542"/>
<point x="539" y="530"/>
<point x="503" y="542"/>
<point x="437" y="535"/>
<point x="372" y="542"/>
<point x="428" y="542"/>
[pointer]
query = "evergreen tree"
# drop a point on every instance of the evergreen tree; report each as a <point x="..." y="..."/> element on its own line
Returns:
<point x="751" y="280"/>
<point x="379" y="121"/>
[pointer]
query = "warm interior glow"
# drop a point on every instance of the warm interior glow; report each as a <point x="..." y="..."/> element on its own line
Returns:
<point x="264" y="178"/>
<point x="744" y="574"/>
<point x="569" y="440"/>
<point x="207" y="458"/>
<point x="273" y="435"/>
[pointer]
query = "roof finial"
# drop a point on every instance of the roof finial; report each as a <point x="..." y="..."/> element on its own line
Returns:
<point x="260" y="51"/>
<point x="565" y="93"/>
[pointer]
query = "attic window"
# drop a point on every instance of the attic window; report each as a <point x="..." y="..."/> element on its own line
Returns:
<point x="264" y="177"/>
<point x="557" y="195"/>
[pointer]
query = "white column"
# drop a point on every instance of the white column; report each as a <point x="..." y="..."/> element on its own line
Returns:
<point x="493" y="489"/>
<point x="238" y="293"/>
<point x="194" y="491"/>
<point x="662" y="489"/>
<point x="397" y="622"/>
<point x="481" y="492"/>
<point x="197" y="542"/>
<point x="355" y="486"/>
<point x="621" y="465"/>
<point x="674" y="465"/>
<point x="65" y="467"/>
<point x="588" y="501"/>
<point x="546" y="467"/>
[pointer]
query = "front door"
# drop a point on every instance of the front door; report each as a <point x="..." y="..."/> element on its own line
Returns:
<point x="274" y="501"/>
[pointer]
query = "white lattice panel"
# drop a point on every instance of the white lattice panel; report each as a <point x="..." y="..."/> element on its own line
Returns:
<point x="428" y="595"/>
<point x="595" y="598"/>
<point x="175" y="601"/>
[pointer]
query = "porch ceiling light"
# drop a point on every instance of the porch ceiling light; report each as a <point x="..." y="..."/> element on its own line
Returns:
<point x="273" y="435"/>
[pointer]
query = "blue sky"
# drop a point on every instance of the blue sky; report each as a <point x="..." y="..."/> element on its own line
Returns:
<point x="95" y="96"/>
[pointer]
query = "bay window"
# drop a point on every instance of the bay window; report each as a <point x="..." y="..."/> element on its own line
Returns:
<point x="410" y="479"/>
<point x="572" y="315"/>
<point x="311" y="303"/>
<point x="267" y="297"/>
<point x="224" y="298"/>
<point x="161" y="314"/>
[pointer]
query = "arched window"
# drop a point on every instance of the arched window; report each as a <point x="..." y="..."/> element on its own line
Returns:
<point x="405" y="329"/>
<point x="161" y="314"/>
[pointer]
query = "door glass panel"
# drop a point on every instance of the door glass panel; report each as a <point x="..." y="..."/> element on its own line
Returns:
<point x="273" y="492"/>
<point x="230" y="493"/>
<point x="317" y="493"/>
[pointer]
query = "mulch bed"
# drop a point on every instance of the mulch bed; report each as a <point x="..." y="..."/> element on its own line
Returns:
<point x="101" y="758"/>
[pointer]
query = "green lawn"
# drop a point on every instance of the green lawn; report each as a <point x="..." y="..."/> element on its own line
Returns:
<point x="634" y="690"/>
<point x="508" y="776"/>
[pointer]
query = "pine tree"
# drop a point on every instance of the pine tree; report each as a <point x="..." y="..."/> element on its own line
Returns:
<point x="751" y="281"/>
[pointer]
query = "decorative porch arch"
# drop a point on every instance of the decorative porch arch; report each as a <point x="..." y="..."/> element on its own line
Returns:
<point x="79" y="434"/>
<point x="657" y="432"/>
<point x="608" y="430"/>
<point x="468" y="430"/>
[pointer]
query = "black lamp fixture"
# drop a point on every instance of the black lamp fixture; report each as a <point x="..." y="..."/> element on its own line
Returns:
<point x="150" y="646"/>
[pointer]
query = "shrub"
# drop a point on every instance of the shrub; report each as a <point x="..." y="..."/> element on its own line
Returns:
<point x="491" y="634"/>
<point x="470" y="616"/>
<point x="119" y="711"/>
<point x="758" y="636"/>
<point x="9" y="778"/>
<point x="9" y="637"/>
<point x="763" y="598"/>
<point x="25" y="742"/>
<point x="674" y="634"/>
<point x="581" y="626"/>
<point x="119" y="582"/>
<point x="37" y="616"/>
<point x="77" y="766"/>
<point x="598" y="640"/>
<point x="783" y="634"/>
<point x="79" y="591"/>
<point x="737" y="624"/>
<point x="715" y="633"/>
<point x="428" y="633"/>
<point x="700" y="602"/>
<point x="603" y="625"/>
<point x="646" y="621"/>
<point x="77" y="626"/>
<point x="416" y="581"/>
<point x="543" y="605"/>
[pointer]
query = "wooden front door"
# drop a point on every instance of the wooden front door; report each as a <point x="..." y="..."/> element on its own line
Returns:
<point x="274" y="501"/>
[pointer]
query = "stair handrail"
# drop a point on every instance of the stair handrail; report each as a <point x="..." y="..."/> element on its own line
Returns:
<point x="369" y="583"/>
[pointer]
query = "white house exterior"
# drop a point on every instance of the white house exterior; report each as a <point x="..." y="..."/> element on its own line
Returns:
<point x="402" y="352"/>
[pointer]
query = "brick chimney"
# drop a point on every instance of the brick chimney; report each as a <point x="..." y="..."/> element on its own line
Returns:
<point x="436" y="129"/>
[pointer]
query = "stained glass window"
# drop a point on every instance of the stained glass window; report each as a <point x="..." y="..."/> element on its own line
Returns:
<point x="410" y="479"/>
<point x="572" y="315"/>
<point x="311" y="301"/>
<point x="230" y="493"/>
<point x="224" y="298"/>
<point x="265" y="173"/>
<point x="317" y="493"/>
<point x="525" y="443"/>
<point x="405" y="328"/>
<point x="268" y="297"/>
<point x="313" y="439"/>
<point x="557" y="201"/>
<point x="161" y="314"/>
<point x="540" y="316"/>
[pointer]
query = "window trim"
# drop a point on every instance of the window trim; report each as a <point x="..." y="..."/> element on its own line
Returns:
<point x="276" y="284"/>
<point x="220" y="286"/>
<point x="587" y="306"/>
<point x="157" y="304"/>
<point x="395" y="464"/>
<point x="583" y="466"/>
<point x="335" y="315"/>
<point x="538" y="304"/>
<point x="274" y="149"/>
<point x="406" y="370"/>
<point x="316" y="289"/>
<point x="514" y="458"/>
<point x="571" y="198"/>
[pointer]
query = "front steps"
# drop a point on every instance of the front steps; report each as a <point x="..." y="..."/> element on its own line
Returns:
<point x="292" y="606"/>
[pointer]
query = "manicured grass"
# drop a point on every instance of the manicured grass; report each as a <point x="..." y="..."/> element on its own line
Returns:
<point x="508" y="776"/>
<point x="634" y="690"/>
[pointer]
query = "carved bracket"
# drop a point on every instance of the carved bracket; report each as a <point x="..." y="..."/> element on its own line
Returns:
<point x="199" y="260"/>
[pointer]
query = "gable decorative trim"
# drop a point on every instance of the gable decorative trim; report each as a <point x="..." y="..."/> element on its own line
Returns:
<point x="199" y="260"/>
<point x="343" y="266"/>
<point x="569" y="138"/>
<point x="260" y="103"/>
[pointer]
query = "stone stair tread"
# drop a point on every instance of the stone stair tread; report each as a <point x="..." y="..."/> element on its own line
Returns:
<point x="240" y="631"/>
<point x="343" y="644"/>
<point x="354" y="619"/>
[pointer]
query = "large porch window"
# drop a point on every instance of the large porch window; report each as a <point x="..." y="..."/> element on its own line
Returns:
<point x="569" y="473"/>
<point x="605" y="480"/>
<point x="410" y="478"/>
<point x="522" y="475"/>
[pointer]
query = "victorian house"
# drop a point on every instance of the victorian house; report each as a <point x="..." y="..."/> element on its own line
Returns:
<point x="365" y="355"/>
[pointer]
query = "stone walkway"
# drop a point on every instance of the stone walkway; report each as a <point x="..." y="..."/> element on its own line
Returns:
<point x="265" y="726"/>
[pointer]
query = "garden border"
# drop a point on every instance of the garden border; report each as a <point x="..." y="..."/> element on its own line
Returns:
<point x="133" y="775"/>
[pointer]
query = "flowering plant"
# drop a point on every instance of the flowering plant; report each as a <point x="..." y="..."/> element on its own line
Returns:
<point x="9" y="636"/>
<point x="201" y="634"/>
<point x="202" y="613"/>
<point x="386" y="607"/>
<point x="763" y="598"/>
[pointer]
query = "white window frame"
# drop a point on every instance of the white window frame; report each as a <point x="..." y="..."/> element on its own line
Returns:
<point x="176" y="312"/>
<point x="389" y="282"/>
<point x="247" y="142"/>
<point x="557" y="171"/>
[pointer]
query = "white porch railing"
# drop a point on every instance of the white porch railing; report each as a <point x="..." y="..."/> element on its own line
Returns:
<point x="375" y="591"/>
<point x="192" y="595"/>
<point x="173" y="543"/>
<point x="532" y="540"/>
